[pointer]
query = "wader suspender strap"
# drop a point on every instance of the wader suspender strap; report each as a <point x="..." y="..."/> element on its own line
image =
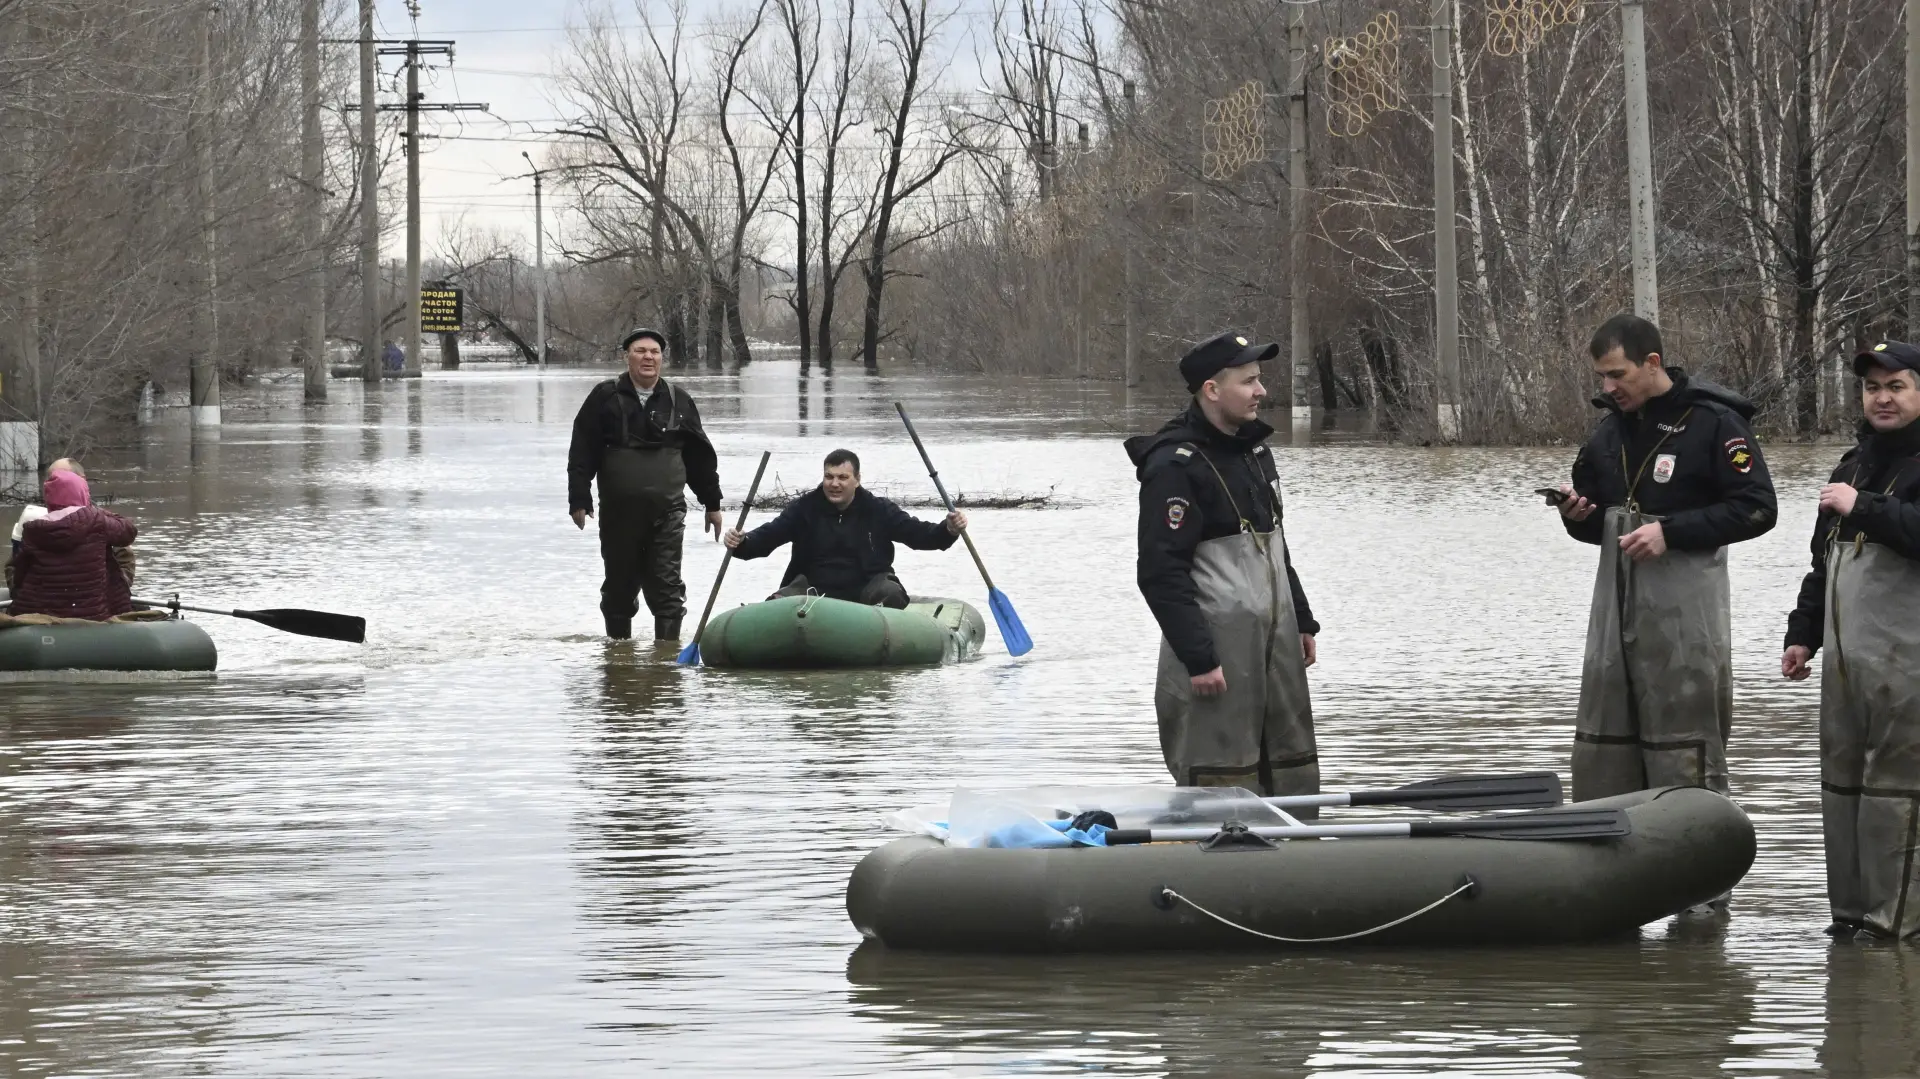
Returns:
<point x="1245" y="525"/>
<point x="1633" y="481"/>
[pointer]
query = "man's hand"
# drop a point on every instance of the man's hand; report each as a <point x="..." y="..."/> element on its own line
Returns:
<point x="956" y="522"/>
<point x="1575" y="508"/>
<point x="1309" y="651"/>
<point x="1211" y="684"/>
<point x="716" y="523"/>
<point x="1644" y="544"/>
<point x="580" y="518"/>
<point x="734" y="536"/>
<point x="1838" y="498"/>
<point x="1793" y="662"/>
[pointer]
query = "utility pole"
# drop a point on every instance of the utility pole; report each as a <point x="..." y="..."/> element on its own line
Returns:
<point x="412" y="319"/>
<point x="1913" y="170"/>
<point x="369" y="208"/>
<point x="315" y="365"/>
<point x="1446" y="255"/>
<point x="413" y="49"/>
<point x="1646" y="267"/>
<point x="204" y="373"/>
<point x="539" y="269"/>
<point x="1126" y="361"/>
<point x="1301" y="347"/>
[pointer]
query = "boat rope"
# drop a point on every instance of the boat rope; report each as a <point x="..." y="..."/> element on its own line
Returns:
<point x="1466" y="886"/>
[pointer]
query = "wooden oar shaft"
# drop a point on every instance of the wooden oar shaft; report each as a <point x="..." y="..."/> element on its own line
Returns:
<point x="727" y="559"/>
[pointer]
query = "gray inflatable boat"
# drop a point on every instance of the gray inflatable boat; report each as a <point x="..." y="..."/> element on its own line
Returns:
<point x="96" y="651"/>
<point x="1686" y="846"/>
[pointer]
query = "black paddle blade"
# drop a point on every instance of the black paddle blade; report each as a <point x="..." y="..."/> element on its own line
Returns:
<point x="333" y="627"/>
<point x="1547" y="824"/>
<point x="1462" y="794"/>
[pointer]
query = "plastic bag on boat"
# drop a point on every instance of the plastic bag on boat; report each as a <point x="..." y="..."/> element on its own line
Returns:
<point x="1043" y="816"/>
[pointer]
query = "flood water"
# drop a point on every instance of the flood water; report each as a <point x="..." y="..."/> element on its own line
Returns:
<point x="490" y="843"/>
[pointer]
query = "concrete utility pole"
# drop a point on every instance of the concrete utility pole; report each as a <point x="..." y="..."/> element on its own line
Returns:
<point x="412" y="320"/>
<point x="413" y="50"/>
<point x="1646" y="266"/>
<point x="1913" y="169"/>
<point x="315" y="364"/>
<point x="539" y="269"/>
<point x="1446" y="255"/>
<point x="369" y="207"/>
<point x="1301" y="347"/>
<point x="204" y="373"/>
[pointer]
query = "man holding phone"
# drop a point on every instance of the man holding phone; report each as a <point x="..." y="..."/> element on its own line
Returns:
<point x="1671" y="477"/>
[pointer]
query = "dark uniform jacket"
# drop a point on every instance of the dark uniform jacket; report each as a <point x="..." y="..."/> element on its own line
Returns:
<point x="841" y="550"/>
<point x="613" y="416"/>
<point x="1713" y="489"/>
<point x="1183" y="503"/>
<point x="1885" y="469"/>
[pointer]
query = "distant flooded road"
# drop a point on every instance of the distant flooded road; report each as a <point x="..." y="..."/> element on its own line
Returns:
<point x="491" y="843"/>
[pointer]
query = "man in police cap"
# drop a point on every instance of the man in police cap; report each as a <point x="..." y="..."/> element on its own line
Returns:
<point x="1238" y="635"/>
<point x="1670" y="478"/>
<point x="640" y="437"/>
<point x="1862" y="601"/>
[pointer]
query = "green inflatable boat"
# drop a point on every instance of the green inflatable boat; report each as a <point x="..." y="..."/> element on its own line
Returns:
<point x="1685" y="846"/>
<point x="815" y="632"/>
<point x="83" y="651"/>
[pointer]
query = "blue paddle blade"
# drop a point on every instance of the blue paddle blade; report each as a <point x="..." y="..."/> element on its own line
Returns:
<point x="690" y="655"/>
<point x="1011" y="631"/>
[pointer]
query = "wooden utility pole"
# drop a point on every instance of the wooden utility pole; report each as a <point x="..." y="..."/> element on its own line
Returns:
<point x="369" y="207"/>
<point x="1301" y="339"/>
<point x="204" y="372"/>
<point x="1446" y="255"/>
<point x="1646" y="274"/>
<point x="413" y="50"/>
<point x="311" y="163"/>
<point x="539" y="268"/>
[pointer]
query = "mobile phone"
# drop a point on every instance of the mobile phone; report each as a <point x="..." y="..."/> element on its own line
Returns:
<point x="1554" y="495"/>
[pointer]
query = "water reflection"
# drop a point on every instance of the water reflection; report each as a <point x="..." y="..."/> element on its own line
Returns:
<point x="1648" y="1008"/>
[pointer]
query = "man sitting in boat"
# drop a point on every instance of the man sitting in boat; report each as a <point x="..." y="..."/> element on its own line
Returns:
<point x="843" y="537"/>
<point x="65" y="565"/>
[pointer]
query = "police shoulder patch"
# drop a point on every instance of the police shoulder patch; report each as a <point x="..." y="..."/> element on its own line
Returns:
<point x="1176" y="512"/>
<point x="1739" y="455"/>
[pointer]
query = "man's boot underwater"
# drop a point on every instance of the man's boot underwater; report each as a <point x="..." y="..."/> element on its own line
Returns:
<point x="619" y="629"/>
<point x="666" y="629"/>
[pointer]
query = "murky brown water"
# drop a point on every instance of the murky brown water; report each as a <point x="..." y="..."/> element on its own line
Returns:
<point x="488" y="843"/>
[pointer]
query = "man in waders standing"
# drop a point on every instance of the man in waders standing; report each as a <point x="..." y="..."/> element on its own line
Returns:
<point x="1671" y="476"/>
<point x="641" y="437"/>
<point x="1862" y="601"/>
<point x="1238" y="636"/>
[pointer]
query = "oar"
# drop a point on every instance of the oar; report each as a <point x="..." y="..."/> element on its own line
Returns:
<point x="1547" y="824"/>
<point x="691" y="653"/>
<point x="333" y="627"/>
<point x="1450" y="794"/>
<point x="1011" y="631"/>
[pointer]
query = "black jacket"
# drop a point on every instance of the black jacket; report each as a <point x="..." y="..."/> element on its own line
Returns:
<point x="1716" y="489"/>
<point x="841" y="550"/>
<point x="612" y="416"/>
<point x="1183" y="503"/>
<point x="1885" y="469"/>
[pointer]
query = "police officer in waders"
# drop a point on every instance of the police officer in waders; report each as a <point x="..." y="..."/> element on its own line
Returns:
<point x="1862" y="602"/>
<point x="1671" y="476"/>
<point x="1238" y="636"/>
<point x="640" y="437"/>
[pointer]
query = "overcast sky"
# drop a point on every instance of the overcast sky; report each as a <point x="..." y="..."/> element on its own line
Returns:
<point x="505" y="51"/>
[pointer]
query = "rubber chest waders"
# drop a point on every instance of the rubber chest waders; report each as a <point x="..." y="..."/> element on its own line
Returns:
<point x="1870" y="736"/>
<point x="1656" y="689"/>
<point x="1259" y="733"/>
